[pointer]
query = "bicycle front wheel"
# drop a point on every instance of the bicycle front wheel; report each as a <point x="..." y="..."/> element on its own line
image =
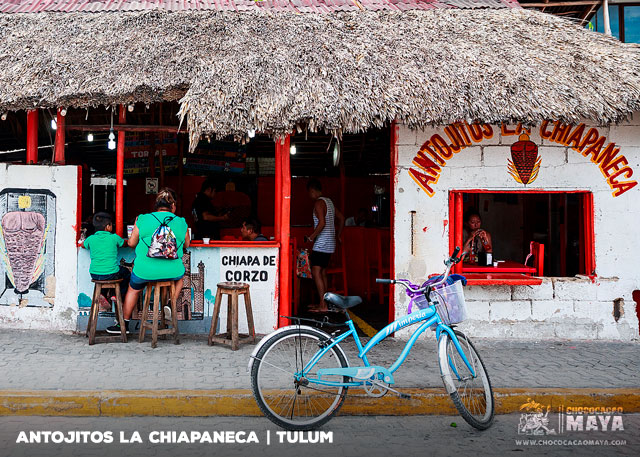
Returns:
<point x="289" y="401"/>
<point x="472" y="395"/>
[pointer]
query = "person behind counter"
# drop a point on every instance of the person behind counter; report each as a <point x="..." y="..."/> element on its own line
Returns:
<point x="204" y="213"/>
<point x="103" y="250"/>
<point x="147" y="268"/>
<point x="324" y="238"/>
<point x="250" y="231"/>
<point x="477" y="240"/>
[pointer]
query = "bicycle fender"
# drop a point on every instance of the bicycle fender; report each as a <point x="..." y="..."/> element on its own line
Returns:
<point x="284" y="329"/>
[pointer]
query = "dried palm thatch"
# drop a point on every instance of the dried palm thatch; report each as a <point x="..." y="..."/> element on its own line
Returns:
<point x="350" y="71"/>
<point x="342" y="72"/>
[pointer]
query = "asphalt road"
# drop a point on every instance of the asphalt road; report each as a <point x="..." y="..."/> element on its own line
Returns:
<point x="351" y="436"/>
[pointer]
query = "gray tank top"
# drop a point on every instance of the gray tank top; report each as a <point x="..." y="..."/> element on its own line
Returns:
<point x="326" y="240"/>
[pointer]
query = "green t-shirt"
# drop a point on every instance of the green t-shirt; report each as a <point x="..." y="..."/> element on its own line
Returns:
<point x="153" y="269"/>
<point x="103" y="249"/>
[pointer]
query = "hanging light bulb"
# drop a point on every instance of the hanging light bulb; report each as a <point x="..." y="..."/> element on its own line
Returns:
<point x="293" y="150"/>
<point x="90" y="137"/>
<point x="112" y="140"/>
<point x="63" y="112"/>
<point x="131" y="107"/>
<point x="54" y="124"/>
<point x="4" y="116"/>
<point x="251" y="133"/>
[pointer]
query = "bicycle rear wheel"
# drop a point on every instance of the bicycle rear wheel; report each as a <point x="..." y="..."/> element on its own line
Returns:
<point x="472" y="395"/>
<point x="289" y="402"/>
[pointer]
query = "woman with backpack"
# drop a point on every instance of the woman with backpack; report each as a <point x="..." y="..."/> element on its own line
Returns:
<point x="159" y="239"/>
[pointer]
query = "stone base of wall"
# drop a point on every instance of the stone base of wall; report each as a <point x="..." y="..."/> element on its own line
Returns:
<point x="570" y="308"/>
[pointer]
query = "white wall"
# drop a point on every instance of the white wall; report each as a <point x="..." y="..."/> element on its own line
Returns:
<point x="559" y="308"/>
<point x="56" y="308"/>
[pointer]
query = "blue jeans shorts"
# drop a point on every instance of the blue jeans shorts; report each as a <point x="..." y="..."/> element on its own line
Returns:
<point x="137" y="283"/>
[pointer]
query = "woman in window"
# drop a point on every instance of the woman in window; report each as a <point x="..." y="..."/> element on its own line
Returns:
<point x="477" y="240"/>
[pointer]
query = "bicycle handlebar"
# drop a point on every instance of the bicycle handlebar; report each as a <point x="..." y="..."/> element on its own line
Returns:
<point x="385" y="281"/>
<point x="452" y="260"/>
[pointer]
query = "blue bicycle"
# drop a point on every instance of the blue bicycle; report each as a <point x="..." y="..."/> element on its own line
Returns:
<point x="300" y="375"/>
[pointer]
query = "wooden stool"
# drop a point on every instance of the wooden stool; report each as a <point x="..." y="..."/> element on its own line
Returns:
<point x="232" y="290"/>
<point x="95" y="308"/>
<point x="158" y="312"/>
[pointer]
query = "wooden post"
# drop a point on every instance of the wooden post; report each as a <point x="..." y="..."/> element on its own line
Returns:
<point x="285" y="230"/>
<point x="278" y="178"/>
<point x="605" y="14"/>
<point x="181" y="143"/>
<point x="60" y="138"/>
<point x="122" y="118"/>
<point x="32" y="136"/>
<point x="393" y="179"/>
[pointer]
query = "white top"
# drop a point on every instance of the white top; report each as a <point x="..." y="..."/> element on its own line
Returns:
<point x="326" y="239"/>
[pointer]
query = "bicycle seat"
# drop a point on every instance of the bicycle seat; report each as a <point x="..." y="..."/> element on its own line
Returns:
<point x="341" y="301"/>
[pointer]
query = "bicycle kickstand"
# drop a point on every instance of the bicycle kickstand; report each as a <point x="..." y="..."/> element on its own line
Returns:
<point x="400" y="394"/>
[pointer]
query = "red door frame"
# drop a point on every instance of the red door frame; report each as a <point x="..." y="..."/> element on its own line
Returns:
<point x="283" y="193"/>
<point x="392" y="203"/>
<point x="587" y="219"/>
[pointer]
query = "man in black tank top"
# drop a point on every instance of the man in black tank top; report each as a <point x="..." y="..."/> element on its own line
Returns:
<point x="324" y="239"/>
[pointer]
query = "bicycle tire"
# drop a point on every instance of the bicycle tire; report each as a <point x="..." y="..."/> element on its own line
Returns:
<point x="475" y="404"/>
<point x="270" y="387"/>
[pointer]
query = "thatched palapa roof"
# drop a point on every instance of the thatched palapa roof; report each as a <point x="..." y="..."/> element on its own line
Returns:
<point x="343" y="71"/>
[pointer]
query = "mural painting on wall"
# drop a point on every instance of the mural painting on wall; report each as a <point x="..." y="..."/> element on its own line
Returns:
<point x="525" y="163"/>
<point x="27" y="245"/>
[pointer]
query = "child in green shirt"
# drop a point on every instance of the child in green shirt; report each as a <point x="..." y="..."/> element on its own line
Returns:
<point x="103" y="249"/>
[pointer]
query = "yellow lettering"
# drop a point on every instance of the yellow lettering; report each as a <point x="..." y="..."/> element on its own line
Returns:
<point x="487" y="131"/>
<point x="441" y="146"/>
<point x="506" y="131"/>
<point x="544" y="133"/>
<point x="559" y="131"/>
<point x="426" y="147"/>
<point x="423" y="181"/>
<point x="594" y="149"/>
<point x="590" y="138"/>
<point x="613" y="166"/>
<point x="456" y="140"/>
<point x="426" y="164"/>
<point x="621" y="188"/>
<point x="476" y="132"/>
<point x="576" y="137"/>
<point x="607" y="156"/>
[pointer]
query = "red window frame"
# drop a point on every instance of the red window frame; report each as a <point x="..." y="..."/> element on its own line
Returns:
<point x="587" y="235"/>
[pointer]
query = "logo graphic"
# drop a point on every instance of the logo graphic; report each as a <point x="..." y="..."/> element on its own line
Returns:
<point x="534" y="421"/>
<point x="526" y="164"/>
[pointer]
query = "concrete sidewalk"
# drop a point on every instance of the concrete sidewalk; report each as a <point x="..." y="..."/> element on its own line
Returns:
<point x="60" y="374"/>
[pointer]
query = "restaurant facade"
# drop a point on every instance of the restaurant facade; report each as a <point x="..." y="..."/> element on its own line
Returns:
<point x="563" y="190"/>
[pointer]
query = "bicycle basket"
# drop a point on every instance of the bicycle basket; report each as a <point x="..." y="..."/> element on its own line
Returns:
<point x="450" y="304"/>
<point x="419" y="302"/>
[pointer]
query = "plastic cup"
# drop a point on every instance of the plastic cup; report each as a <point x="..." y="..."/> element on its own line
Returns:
<point x="206" y="240"/>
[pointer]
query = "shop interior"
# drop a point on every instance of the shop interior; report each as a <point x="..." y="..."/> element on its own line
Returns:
<point x="354" y="172"/>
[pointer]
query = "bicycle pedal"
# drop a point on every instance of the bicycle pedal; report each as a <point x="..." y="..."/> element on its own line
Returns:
<point x="405" y="396"/>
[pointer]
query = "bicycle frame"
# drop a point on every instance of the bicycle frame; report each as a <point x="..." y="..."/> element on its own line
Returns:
<point x="427" y="316"/>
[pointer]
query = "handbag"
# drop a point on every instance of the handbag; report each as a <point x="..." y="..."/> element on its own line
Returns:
<point x="303" y="267"/>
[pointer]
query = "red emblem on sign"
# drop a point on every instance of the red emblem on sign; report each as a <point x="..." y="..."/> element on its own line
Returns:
<point x="526" y="164"/>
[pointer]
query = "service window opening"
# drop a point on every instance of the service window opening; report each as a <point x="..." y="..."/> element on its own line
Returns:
<point x="561" y="221"/>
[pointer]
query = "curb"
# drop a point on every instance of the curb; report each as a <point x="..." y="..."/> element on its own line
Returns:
<point x="240" y="402"/>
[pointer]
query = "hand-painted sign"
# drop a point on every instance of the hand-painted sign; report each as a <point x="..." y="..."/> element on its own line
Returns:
<point x="525" y="163"/>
